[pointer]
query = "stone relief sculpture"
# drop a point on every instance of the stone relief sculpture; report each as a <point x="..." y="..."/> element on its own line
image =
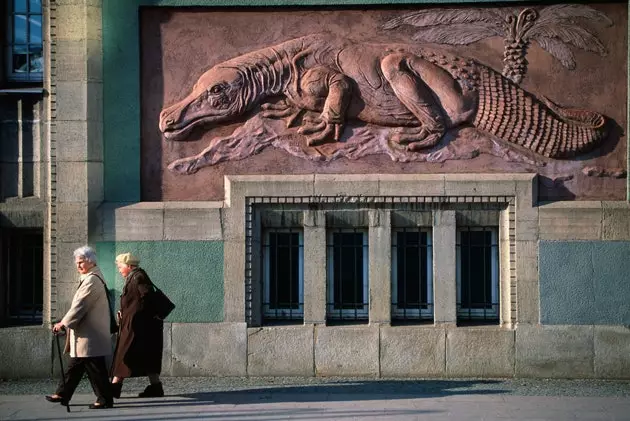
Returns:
<point x="408" y="95"/>
<point x="554" y="28"/>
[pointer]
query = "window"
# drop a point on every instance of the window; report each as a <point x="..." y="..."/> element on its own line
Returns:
<point x="283" y="279"/>
<point x="23" y="52"/>
<point x="478" y="274"/>
<point x="412" y="275"/>
<point x="21" y="276"/>
<point x="347" y="277"/>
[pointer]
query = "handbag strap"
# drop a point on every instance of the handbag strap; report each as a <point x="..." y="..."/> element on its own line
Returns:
<point x="109" y="303"/>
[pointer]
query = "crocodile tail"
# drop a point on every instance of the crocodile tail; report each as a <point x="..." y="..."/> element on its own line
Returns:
<point x="510" y="113"/>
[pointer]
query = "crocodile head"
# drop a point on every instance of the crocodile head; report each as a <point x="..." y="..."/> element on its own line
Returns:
<point x="216" y="97"/>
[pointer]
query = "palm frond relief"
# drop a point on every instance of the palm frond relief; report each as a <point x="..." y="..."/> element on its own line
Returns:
<point x="555" y="28"/>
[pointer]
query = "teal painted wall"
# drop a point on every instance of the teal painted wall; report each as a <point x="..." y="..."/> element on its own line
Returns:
<point x="121" y="81"/>
<point x="584" y="282"/>
<point x="189" y="272"/>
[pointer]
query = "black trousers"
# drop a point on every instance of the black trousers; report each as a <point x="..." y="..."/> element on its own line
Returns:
<point x="97" y="373"/>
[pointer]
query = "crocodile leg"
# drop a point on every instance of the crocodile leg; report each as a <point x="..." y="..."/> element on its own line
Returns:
<point x="407" y="74"/>
<point x="281" y="110"/>
<point x="329" y="91"/>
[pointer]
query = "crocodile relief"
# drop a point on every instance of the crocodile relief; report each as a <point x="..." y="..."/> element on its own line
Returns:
<point x="318" y="83"/>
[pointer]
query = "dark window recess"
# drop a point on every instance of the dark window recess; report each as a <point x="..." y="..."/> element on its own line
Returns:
<point x="412" y="281"/>
<point x="347" y="275"/>
<point x="283" y="265"/>
<point x="21" y="276"/>
<point x="478" y="274"/>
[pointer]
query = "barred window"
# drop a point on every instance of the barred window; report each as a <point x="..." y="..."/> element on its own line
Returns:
<point x="347" y="277"/>
<point x="412" y="275"/>
<point x="23" y="46"/>
<point x="21" y="276"/>
<point x="478" y="274"/>
<point x="283" y="274"/>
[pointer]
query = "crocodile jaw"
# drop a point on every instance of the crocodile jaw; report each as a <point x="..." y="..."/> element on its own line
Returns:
<point x="213" y="100"/>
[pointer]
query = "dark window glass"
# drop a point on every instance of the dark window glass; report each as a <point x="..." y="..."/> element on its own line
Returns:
<point x="283" y="275"/>
<point x="478" y="274"/>
<point x="412" y="282"/>
<point x="23" y="46"/>
<point x="347" y="296"/>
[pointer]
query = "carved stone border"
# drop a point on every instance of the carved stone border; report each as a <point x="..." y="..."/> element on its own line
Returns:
<point x="517" y="189"/>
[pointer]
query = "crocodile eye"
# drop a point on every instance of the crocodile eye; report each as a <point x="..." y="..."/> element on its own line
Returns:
<point x="216" y="89"/>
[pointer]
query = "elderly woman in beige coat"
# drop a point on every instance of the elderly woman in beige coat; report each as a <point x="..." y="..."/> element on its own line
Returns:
<point x="87" y="323"/>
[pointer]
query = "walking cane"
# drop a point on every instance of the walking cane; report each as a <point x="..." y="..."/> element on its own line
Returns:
<point x="63" y="376"/>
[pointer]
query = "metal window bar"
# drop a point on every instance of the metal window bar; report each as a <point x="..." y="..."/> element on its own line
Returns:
<point x="21" y="277"/>
<point x="30" y="14"/>
<point x="412" y="201"/>
<point x="283" y="268"/>
<point x="412" y="275"/>
<point x="477" y="251"/>
<point x="347" y="253"/>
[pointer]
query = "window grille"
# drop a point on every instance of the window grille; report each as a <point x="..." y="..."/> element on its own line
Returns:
<point x="347" y="277"/>
<point x="283" y="270"/>
<point x="24" y="47"/>
<point x="21" y="276"/>
<point x="412" y="275"/>
<point x="478" y="274"/>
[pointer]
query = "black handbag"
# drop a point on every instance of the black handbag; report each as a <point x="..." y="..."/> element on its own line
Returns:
<point x="162" y="306"/>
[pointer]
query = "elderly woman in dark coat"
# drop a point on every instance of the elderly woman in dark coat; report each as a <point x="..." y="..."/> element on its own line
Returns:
<point x="139" y="349"/>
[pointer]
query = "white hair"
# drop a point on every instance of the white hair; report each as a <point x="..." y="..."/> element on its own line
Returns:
<point x="87" y="253"/>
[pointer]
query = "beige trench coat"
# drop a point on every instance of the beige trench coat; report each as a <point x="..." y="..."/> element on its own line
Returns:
<point x="88" y="318"/>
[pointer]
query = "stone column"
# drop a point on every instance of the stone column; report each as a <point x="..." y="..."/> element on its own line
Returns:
<point x="506" y="266"/>
<point x="314" y="267"/>
<point x="444" y="268"/>
<point x="380" y="266"/>
<point x="76" y="142"/>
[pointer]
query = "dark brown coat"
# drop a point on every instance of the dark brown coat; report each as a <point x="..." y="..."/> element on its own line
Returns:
<point x="139" y="347"/>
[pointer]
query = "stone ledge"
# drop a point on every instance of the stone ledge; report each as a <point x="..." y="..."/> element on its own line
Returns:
<point x="159" y="221"/>
<point x="469" y="184"/>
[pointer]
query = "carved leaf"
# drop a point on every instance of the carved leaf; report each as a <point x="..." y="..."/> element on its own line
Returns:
<point x="571" y="12"/>
<point x="570" y="34"/>
<point x="461" y="34"/>
<point x="435" y="17"/>
<point x="559" y="50"/>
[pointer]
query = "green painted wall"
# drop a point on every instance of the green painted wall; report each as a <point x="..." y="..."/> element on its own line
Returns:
<point x="584" y="282"/>
<point x="189" y="272"/>
<point x="121" y="81"/>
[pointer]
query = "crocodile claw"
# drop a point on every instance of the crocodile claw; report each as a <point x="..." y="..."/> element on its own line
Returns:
<point x="318" y="131"/>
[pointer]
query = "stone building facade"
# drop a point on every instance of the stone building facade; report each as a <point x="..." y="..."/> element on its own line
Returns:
<point x="71" y="173"/>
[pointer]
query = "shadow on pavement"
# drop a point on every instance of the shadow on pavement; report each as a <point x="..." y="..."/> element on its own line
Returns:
<point x="339" y="392"/>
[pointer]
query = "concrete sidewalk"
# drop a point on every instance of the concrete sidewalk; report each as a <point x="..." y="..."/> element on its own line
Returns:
<point x="268" y="399"/>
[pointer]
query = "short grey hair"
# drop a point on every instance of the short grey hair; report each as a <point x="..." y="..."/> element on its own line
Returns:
<point x="87" y="253"/>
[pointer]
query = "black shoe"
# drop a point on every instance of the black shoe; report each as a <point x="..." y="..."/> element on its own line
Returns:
<point x="52" y="398"/>
<point x="116" y="389"/>
<point x="152" y="391"/>
<point x="98" y="405"/>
